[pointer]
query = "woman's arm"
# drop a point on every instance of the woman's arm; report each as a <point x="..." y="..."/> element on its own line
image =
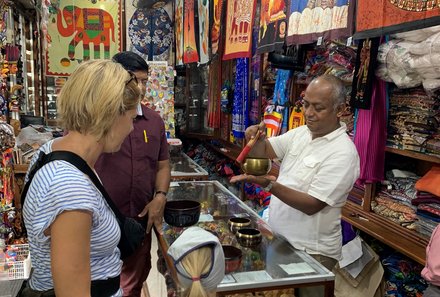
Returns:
<point x="70" y="253"/>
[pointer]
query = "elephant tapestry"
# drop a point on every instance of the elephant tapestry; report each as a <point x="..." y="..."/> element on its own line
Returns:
<point x="382" y="17"/>
<point x="81" y="30"/>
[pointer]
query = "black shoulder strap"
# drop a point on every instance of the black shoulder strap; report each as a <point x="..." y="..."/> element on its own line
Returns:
<point x="79" y="163"/>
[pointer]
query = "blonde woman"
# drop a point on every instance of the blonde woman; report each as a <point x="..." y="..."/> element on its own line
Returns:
<point x="73" y="234"/>
<point x="199" y="261"/>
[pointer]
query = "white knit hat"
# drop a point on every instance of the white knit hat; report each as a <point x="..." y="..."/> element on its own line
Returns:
<point x="190" y="240"/>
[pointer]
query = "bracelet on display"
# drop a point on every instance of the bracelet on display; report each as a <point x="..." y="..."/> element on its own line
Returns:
<point x="161" y="192"/>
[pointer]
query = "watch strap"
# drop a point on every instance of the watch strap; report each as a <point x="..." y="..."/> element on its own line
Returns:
<point x="268" y="187"/>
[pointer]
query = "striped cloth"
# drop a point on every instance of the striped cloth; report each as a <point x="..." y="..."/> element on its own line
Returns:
<point x="59" y="187"/>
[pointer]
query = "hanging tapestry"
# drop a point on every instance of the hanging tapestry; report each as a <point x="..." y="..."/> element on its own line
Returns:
<point x="150" y="33"/>
<point x="254" y="100"/>
<point x="203" y="6"/>
<point x="240" y="119"/>
<point x="216" y="25"/>
<point x="80" y="32"/>
<point x="159" y="95"/>
<point x="364" y="73"/>
<point x="273" y="25"/>
<point x="239" y="19"/>
<point x="311" y="19"/>
<point x="281" y="96"/>
<point x="214" y="89"/>
<point x="190" y="54"/>
<point x="382" y="17"/>
<point x="179" y="31"/>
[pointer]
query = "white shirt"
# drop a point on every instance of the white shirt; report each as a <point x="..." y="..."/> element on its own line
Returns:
<point x="325" y="168"/>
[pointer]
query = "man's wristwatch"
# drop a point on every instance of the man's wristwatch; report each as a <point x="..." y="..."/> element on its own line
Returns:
<point x="268" y="187"/>
<point x="161" y="192"/>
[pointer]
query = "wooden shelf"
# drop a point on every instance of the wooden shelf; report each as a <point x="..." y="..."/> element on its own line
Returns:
<point x="414" y="155"/>
<point x="21" y="168"/>
<point x="405" y="241"/>
<point x="228" y="150"/>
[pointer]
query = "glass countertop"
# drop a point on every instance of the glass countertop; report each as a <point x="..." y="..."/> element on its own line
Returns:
<point x="182" y="165"/>
<point x="274" y="262"/>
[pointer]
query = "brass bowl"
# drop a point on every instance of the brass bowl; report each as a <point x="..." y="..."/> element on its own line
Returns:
<point x="256" y="166"/>
<point x="182" y="213"/>
<point x="248" y="237"/>
<point x="236" y="224"/>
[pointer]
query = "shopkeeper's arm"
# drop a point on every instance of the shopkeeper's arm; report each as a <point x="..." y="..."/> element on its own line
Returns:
<point x="156" y="207"/>
<point x="296" y="199"/>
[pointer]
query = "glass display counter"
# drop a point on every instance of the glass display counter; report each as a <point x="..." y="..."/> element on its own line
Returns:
<point x="272" y="264"/>
<point x="185" y="168"/>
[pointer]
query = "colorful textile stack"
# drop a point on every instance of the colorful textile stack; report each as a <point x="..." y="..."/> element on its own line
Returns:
<point x="412" y="120"/>
<point x="428" y="201"/>
<point x="394" y="200"/>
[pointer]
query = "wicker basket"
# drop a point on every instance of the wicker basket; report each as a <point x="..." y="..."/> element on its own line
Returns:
<point x="18" y="269"/>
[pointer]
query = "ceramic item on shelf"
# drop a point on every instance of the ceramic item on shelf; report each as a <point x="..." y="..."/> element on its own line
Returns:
<point x="248" y="237"/>
<point x="236" y="223"/>
<point x="233" y="256"/>
<point x="182" y="213"/>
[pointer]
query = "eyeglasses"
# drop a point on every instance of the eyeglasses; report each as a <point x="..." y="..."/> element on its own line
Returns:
<point x="132" y="77"/>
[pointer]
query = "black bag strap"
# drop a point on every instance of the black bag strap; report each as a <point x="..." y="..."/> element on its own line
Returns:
<point x="81" y="165"/>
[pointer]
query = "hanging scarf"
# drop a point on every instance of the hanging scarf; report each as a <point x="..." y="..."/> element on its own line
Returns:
<point x="216" y="25"/>
<point x="203" y="30"/>
<point x="190" y="54"/>
<point x="178" y="14"/>
<point x="240" y="118"/>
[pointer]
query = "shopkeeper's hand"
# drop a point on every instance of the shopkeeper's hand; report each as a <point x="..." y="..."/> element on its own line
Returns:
<point x="155" y="209"/>
<point x="260" y="180"/>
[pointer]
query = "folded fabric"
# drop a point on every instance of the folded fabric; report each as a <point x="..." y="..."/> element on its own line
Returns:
<point x="430" y="181"/>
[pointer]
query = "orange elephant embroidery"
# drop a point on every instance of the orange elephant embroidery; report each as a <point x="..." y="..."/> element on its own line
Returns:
<point x="87" y="25"/>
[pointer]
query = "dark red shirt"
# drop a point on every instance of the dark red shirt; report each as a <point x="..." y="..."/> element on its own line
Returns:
<point x="129" y="175"/>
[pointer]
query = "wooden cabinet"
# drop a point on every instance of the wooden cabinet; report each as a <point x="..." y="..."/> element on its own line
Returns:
<point x="408" y="242"/>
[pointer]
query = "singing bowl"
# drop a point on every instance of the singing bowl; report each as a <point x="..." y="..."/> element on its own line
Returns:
<point x="248" y="237"/>
<point x="256" y="166"/>
<point x="233" y="257"/>
<point x="181" y="213"/>
<point x="238" y="223"/>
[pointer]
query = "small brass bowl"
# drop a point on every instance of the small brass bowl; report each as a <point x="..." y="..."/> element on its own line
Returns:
<point x="238" y="223"/>
<point x="256" y="166"/>
<point x="248" y="237"/>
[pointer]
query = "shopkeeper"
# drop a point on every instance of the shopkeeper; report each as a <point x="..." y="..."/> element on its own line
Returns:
<point x="318" y="169"/>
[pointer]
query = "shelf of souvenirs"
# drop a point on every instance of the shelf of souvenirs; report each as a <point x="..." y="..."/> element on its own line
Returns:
<point x="403" y="240"/>
<point x="415" y="155"/>
<point x="21" y="168"/>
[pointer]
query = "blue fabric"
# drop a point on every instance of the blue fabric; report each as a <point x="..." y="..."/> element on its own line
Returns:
<point x="240" y="114"/>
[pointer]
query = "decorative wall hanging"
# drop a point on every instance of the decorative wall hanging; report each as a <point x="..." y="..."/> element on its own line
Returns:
<point x="362" y="85"/>
<point x="178" y="13"/>
<point x="311" y="19"/>
<point x="190" y="54"/>
<point x="203" y="6"/>
<point x="239" y="20"/>
<point x="159" y="94"/>
<point x="273" y="25"/>
<point x="216" y="25"/>
<point x="240" y="118"/>
<point x="150" y="32"/>
<point x="81" y="31"/>
<point x="382" y="17"/>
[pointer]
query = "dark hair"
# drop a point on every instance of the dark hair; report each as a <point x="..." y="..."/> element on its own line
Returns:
<point x="131" y="61"/>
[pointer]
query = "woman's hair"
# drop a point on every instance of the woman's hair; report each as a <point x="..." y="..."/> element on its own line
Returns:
<point x="94" y="95"/>
<point x="197" y="263"/>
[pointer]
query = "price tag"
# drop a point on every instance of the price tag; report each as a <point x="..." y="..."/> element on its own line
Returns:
<point x="319" y="42"/>
<point x="349" y="40"/>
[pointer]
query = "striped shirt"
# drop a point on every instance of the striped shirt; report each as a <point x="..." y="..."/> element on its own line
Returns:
<point x="57" y="187"/>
